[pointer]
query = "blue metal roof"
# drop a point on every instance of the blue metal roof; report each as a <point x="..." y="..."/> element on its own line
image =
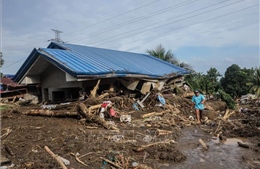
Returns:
<point x="83" y="61"/>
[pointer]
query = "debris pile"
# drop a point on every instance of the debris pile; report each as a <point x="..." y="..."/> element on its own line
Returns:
<point x="117" y="131"/>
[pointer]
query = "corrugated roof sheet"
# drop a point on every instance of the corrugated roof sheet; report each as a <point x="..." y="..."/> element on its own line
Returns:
<point x="84" y="61"/>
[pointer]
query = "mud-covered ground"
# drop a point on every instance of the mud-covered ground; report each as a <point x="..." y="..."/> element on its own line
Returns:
<point x="89" y="145"/>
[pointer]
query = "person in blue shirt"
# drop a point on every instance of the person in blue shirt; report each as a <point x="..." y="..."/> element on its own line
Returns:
<point x="198" y="101"/>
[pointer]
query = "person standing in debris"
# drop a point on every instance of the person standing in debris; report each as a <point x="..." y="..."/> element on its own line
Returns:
<point x="198" y="101"/>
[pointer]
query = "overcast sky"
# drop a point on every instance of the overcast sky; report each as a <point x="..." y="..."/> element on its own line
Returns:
<point x="202" y="33"/>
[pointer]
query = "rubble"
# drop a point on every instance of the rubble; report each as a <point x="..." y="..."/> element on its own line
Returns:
<point x="116" y="130"/>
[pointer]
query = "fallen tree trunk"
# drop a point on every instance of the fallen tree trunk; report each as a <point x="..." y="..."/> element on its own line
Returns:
<point x="82" y="109"/>
<point x="50" y="113"/>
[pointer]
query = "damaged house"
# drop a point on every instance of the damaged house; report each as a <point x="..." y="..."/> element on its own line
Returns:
<point x="66" y="72"/>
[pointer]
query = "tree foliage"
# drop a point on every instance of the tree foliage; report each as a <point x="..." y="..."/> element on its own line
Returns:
<point x="161" y="53"/>
<point x="235" y="81"/>
<point x="208" y="83"/>
<point x="231" y="104"/>
<point x="254" y="82"/>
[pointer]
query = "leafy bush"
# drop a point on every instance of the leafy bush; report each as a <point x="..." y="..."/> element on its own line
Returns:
<point x="231" y="104"/>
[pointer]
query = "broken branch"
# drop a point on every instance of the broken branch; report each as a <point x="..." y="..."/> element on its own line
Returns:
<point x="8" y="131"/>
<point x="228" y="114"/>
<point x="143" y="147"/>
<point x="56" y="157"/>
<point x="78" y="160"/>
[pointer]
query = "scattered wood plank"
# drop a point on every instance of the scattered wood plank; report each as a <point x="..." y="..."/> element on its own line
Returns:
<point x="56" y="157"/>
<point x="155" y="114"/>
<point x="163" y="132"/>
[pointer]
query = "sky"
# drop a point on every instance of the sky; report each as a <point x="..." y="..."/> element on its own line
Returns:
<point x="202" y="33"/>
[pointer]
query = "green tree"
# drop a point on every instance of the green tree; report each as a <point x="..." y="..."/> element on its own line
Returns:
<point x="231" y="104"/>
<point x="234" y="81"/>
<point x="208" y="83"/>
<point x="194" y="79"/>
<point x="161" y="53"/>
<point x="254" y="82"/>
<point x="186" y="66"/>
<point x="212" y="81"/>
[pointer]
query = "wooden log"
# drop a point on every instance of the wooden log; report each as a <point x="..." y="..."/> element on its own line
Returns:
<point x="93" y="92"/>
<point x="56" y="157"/>
<point x="203" y="144"/>
<point x="82" y="109"/>
<point x="50" y="113"/>
<point x="242" y="145"/>
<point x="163" y="132"/>
<point x="155" y="114"/>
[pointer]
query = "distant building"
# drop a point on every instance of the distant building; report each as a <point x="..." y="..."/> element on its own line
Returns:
<point x="9" y="88"/>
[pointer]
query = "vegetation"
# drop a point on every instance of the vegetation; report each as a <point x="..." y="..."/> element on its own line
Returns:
<point x="168" y="56"/>
<point x="233" y="84"/>
<point x="254" y="82"/>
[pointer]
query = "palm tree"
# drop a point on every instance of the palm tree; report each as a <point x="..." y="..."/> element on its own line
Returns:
<point x="160" y="52"/>
<point x="255" y="82"/>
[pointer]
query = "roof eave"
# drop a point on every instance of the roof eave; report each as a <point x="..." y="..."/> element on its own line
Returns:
<point x="26" y="65"/>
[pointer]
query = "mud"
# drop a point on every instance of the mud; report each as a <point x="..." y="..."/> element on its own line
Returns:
<point x="67" y="136"/>
<point x="221" y="154"/>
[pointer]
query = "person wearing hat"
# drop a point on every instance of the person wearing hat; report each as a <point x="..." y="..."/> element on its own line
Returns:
<point x="198" y="101"/>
